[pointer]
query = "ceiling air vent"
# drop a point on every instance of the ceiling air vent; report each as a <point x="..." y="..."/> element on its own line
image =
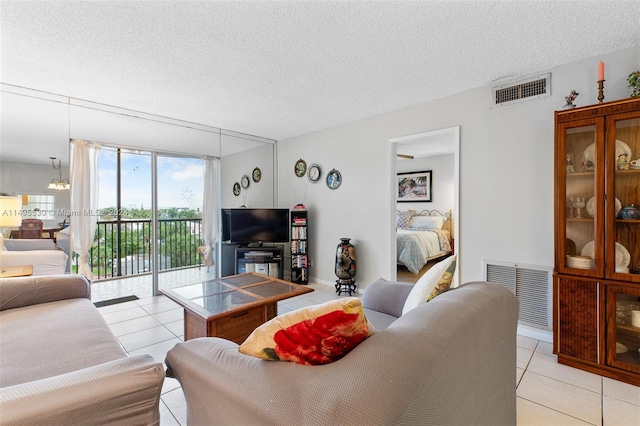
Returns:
<point x="524" y="90"/>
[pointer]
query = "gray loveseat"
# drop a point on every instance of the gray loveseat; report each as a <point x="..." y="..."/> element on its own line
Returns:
<point x="451" y="361"/>
<point x="40" y="253"/>
<point x="61" y="365"/>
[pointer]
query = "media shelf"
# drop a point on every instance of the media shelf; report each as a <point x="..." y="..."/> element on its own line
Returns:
<point x="263" y="260"/>
<point x="299" y="247"/>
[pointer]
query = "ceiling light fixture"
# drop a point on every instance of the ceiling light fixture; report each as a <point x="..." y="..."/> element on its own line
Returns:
<point x="58" y="183"/>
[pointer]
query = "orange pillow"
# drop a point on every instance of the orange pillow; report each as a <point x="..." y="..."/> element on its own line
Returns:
<point x="318" y="334"/>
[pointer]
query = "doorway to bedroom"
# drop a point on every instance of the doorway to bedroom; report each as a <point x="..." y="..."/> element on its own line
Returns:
<point x="425" y="172"/>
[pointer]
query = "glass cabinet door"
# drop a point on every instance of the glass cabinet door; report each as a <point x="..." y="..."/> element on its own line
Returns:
<point x="623" y="234"/>
<point x="623" y="343"/>
<point x="583" y="248"/>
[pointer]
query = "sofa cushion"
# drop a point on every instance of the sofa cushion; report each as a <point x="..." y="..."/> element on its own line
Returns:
<point x="49" y="339"/>
<point x="379" y="320"/>
<point x="25" y="291"/>
<point x="387" y="297"/>
<point x="26" y="244"/>
<point x="314" y="335"/>
<point x="44" y="262"/>
<point x="438" y="275"/>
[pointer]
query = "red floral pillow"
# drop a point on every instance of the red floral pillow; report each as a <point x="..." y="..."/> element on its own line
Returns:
<point x="314" y="335"/>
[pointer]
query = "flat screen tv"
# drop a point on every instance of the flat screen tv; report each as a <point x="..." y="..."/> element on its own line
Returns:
<point x="246" y="226"/>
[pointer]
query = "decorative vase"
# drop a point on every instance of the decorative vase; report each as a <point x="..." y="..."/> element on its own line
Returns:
<point x="568" y="106"/>
<point x="630" y="212"/>
<point x="345" y="267"/>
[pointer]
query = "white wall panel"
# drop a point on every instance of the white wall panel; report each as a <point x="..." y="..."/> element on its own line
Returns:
<point x="506" y="172"/>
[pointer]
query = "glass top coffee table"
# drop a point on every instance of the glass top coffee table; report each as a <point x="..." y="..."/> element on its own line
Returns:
<point x="231" y="307"/>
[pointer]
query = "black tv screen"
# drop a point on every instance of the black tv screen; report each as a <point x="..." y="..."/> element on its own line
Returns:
<point x="243" y="226"/>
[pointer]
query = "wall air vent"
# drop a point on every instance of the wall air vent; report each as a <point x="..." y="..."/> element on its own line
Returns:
<point x="530" y="284"/>
<point x="524" y="90"/>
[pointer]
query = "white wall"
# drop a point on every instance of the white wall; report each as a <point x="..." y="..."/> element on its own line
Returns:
<point x="442" y="181"/>
<point x="233" y="167"/>
<point x="506" y="162"/>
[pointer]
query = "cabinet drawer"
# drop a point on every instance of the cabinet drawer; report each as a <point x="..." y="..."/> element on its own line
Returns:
<point x="238" y="326"/>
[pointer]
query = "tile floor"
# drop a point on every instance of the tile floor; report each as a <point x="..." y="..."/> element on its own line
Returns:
<point x="548" y="393"/>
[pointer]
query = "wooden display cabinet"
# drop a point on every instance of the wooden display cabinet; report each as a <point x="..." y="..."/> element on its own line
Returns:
<point x="597" y="252"/>
<point x="621" y="328"/>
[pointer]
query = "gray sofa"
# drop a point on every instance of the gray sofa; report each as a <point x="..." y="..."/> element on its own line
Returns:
<point x="61" y="365"/>
<point x="451" y="361"/>
<point x="40" y="253"/>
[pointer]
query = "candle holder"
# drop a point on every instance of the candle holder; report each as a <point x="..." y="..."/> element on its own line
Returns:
<point x="600" y="91"/>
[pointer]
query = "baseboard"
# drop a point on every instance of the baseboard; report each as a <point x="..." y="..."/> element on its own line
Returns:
<point x="535" y="333"/>
<point x="331" y="284"/>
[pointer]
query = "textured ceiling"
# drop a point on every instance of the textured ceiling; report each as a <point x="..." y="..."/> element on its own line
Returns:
<point x="282" y="69"/>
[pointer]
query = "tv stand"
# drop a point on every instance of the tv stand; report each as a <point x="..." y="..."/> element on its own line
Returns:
<point x="260" y="259"/>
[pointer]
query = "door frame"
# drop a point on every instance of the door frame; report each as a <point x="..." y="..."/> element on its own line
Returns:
<point x="454" y="134"/>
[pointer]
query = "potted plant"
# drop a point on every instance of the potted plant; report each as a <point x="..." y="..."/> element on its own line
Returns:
<point x="572" y="97"/>
<point x="634" y="83"/>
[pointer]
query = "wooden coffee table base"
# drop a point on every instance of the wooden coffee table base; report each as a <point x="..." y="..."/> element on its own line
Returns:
<point x="231" y="307"/>
<point x="235" y="327"/>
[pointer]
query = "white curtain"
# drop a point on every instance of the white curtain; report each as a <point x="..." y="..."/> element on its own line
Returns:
<point x="210" y="208"/>
<point x="83" y="173"/>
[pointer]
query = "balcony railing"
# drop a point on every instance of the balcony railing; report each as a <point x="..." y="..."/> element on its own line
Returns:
<point x="124" y="248"/>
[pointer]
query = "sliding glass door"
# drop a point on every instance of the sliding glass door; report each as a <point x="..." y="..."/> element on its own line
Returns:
<point x="180" y="182"/>
<point x="123" y="244"/>
<point x="150" y="220"/>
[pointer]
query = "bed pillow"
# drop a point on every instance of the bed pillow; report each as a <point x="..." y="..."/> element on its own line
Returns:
<point x="439" y="276"/>
<point x="318" y="334"/>
<point x="403" y="219"/>
<point x="426" y="222"/>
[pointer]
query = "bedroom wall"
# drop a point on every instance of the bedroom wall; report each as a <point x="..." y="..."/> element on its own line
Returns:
<point x="442" y="181"/>
<point x="506" y="163"/>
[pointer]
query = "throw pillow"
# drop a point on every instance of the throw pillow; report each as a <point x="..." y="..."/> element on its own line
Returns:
<point x="403" y="219"/>
<point x="314" y="335"/>
<point x="444" y="283"/>
<point x="424" y="287"/>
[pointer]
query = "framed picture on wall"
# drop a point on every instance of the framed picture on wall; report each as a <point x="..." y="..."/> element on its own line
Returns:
<point x="414" y="186"/>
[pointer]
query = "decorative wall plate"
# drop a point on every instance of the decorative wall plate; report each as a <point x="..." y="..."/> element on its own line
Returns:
<point x="256" y="174"/>
<point x="314" y="173"/>
<point x="236" y="189"/>
<point x="300" y="168"/>
<point x="334" y="179"/>
<point x="244" y="181"/>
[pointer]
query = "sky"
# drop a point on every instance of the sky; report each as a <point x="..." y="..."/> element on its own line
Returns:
<point x="180" y="180"/>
